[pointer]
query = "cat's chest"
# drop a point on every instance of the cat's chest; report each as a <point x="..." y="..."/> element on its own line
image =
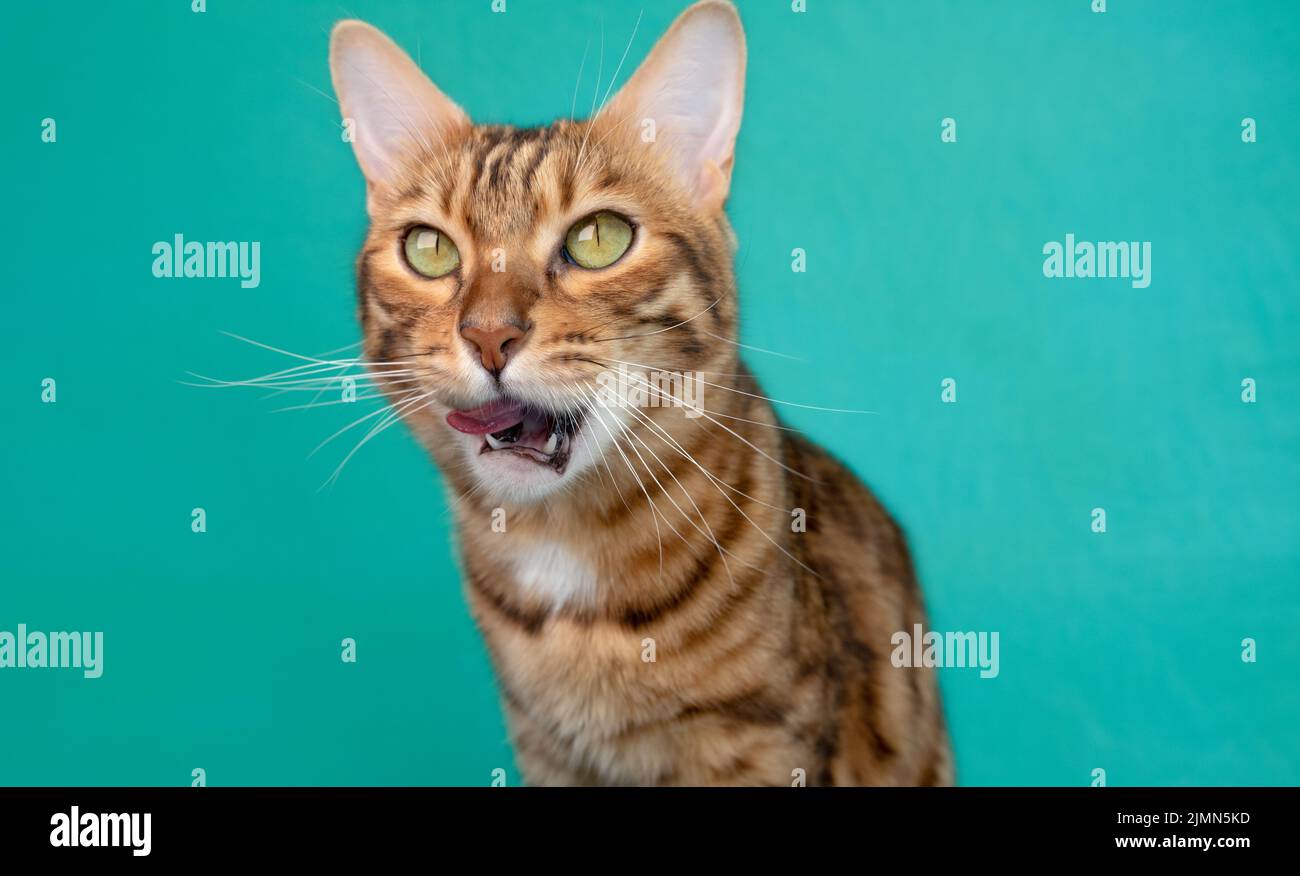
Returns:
<point x="551" y="575"/>
<point x="565" y="663"/>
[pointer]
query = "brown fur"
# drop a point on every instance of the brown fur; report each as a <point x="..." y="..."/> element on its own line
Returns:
<point x="771" y="646"/>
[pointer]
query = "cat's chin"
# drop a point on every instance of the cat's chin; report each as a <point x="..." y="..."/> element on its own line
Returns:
<point x="521" y="474"/>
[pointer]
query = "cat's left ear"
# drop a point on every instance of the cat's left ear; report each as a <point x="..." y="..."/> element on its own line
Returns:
<point x="688" y="96"/>
<point x="392" y="106"/>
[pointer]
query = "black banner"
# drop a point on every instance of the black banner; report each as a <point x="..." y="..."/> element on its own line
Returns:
<point x="334" y="824"/>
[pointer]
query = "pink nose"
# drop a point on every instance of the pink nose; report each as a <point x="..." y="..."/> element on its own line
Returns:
<point x="494" y="344"/>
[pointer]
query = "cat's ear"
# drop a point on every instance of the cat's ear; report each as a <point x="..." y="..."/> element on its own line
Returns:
<point x="390" y="105"/>
<point x="687" y="97"/>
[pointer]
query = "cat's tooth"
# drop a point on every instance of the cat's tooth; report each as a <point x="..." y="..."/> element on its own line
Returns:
<point x="551" y="443"/>
<point x="494" y="443"/>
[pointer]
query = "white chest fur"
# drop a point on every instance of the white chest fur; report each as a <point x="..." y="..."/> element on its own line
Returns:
<point x="552" y="573"/>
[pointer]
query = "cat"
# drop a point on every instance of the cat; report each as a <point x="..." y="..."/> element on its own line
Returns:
<point x="653" y="609"/>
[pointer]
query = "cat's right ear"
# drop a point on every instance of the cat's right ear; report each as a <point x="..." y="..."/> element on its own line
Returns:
<point x="390" y="105"/>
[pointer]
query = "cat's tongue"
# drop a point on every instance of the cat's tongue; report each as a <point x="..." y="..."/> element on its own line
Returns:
<point x="491" y="417"/>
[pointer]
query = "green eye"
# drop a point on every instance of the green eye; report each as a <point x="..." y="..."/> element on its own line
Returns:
<point x="430" y="252"/>
<point x="598" y="241"/>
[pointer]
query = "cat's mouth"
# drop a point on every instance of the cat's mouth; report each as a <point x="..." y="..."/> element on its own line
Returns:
<point x="510" y="426"/>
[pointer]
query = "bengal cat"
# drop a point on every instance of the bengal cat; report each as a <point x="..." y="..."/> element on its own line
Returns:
<point x="654" y="609"/>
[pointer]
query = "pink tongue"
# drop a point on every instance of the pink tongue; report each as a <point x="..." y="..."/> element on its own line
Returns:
<point x="491" y="417"/>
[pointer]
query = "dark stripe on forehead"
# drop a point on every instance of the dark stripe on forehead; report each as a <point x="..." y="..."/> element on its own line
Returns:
<point x="567" y="183"/>
<point x="506" y="150"/>
<point x="509" y="148"/>
<point x="539" y="155"/>
<point x="497" y="170"/>
<point x="491" y="138"/>
<point x="523" y="136"/>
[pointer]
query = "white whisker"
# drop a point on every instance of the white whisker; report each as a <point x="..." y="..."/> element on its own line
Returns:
<point x="619" y="68"/>
<point x="760" y="529"/>
<point x="654" y="511"/>
<point x="750" y="444"/>
<point x="748" y="347"/>
<point x="573" y="107"/>
<point x="708" y="530"/>
<point x="395" y="414"/>
<point x="662" y="330"/>
<point x="775" y="401"/>
<point x="355" y="422"/>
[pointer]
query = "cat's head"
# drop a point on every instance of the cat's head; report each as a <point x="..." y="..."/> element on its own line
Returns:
<point x="506" y="270"/>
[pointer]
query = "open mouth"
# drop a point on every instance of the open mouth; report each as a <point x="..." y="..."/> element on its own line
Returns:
<point x="509" y="426"/>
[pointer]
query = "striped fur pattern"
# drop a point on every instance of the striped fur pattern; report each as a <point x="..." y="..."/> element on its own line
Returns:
<point x="652" y="615"/>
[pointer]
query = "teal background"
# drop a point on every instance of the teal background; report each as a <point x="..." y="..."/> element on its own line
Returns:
<point x="1118" y="650"/>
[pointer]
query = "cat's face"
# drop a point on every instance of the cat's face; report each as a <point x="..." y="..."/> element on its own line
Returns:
<point x="510" y="275"/>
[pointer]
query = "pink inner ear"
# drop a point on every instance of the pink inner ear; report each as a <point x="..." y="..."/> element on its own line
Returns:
<point x="394" y="106"/>
<point x="692" y="85"/>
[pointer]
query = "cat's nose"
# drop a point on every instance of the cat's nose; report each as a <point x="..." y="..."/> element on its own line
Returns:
<point x="495" y="344"/>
